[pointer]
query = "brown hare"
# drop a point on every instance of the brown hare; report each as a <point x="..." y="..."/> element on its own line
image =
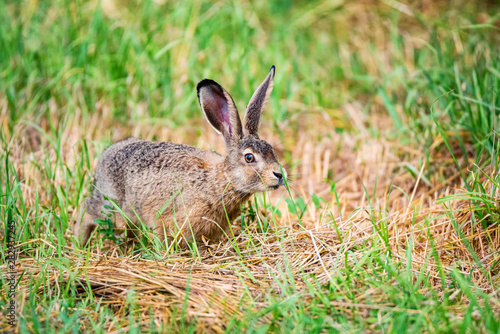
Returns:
<point x="182" y="191"/>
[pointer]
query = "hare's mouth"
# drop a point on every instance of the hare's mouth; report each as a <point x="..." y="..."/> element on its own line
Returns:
<point x="274" y="187"/>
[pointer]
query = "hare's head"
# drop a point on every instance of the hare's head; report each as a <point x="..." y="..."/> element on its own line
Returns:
<point x="253" y="165"/>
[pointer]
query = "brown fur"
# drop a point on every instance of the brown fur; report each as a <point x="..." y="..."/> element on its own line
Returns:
<point x="179" y="190"/>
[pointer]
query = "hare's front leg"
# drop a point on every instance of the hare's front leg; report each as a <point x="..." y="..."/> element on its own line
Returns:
<point x="92" y="209"/>
<point x="85" y="224"/>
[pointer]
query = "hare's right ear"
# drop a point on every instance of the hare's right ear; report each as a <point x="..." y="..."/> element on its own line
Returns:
<point x="257" y="105"/>
<point x="219" y="109"/>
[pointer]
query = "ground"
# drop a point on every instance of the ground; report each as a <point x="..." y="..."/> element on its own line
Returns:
<point x="384" y="114"/>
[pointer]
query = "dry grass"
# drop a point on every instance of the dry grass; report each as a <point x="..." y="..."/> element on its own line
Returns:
<point x="220" y="282"/>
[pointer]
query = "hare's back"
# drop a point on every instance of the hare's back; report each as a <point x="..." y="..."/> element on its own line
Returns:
<point x="133" y="170"/>
<point x="134" y="156"/>
<point x="110" y="173"/>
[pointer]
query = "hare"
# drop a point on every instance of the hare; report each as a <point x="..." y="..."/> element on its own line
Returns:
<point x="181" y="191"/>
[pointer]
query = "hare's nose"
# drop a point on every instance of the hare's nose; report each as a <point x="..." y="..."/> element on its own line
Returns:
<point x="278" y="175"/>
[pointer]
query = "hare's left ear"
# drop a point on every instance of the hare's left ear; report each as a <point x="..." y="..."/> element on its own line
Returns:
<point x="257" y="105"/>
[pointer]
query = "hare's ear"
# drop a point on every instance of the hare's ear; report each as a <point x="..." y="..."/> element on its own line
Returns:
<point x="219" y="109"/>
<point x="257" y="104"/>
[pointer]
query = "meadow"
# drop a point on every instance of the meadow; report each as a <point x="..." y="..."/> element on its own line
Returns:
<point x="384" y="113"/>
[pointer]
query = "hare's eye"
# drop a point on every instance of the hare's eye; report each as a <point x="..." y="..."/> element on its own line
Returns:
<point x="249" y="158"/>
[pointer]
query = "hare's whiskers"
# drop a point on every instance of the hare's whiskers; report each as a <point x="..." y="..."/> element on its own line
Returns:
<point x="235" y="195"/>
<point x="242" y="188"/>
<point x="249" y="193"/>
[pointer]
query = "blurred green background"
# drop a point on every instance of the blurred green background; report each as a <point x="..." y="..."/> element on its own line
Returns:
<point x="143" y="58"/>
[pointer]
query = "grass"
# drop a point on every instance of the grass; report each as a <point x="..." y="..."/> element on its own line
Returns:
<point x="384" y="112"/>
